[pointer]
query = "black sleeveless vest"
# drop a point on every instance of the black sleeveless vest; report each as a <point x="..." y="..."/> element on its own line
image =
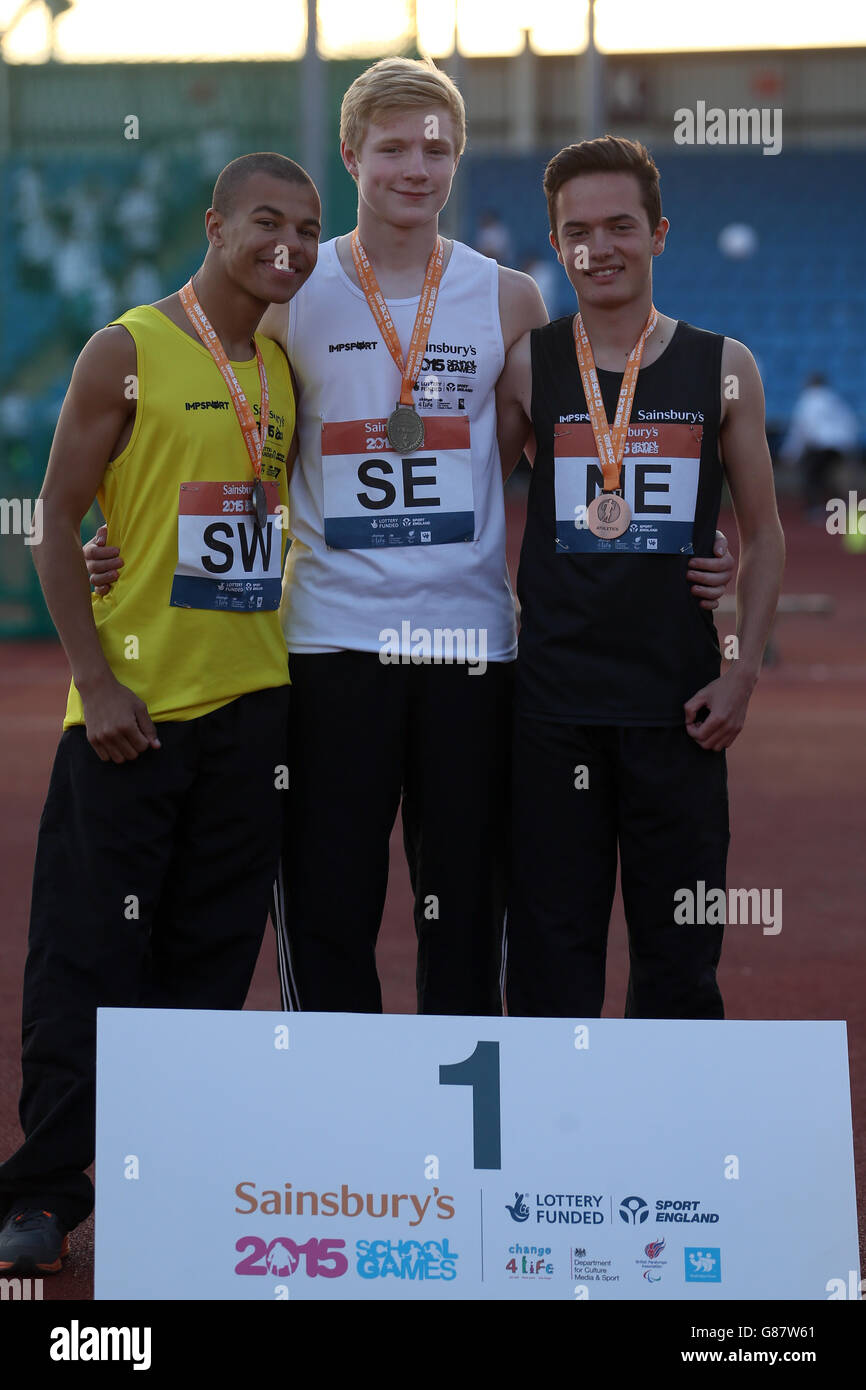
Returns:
<point x="611" y="634"/>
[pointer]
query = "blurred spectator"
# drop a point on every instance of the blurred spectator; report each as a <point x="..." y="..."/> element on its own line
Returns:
<point x="29" y="197"/>
<point x="823" y="430"/>
<point x="214" y="149"/>
<point x="37" y="244"/>
<point x="494" y="238"/>
<point x="14" y="415"/>
<point x="76" y="265"/>
<point x="137" y="216"/>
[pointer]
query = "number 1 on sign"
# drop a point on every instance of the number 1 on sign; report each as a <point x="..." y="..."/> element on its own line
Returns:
<point x="481" y="1072"/>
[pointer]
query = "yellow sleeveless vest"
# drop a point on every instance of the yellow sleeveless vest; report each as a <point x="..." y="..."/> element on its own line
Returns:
<point x="184" y="662"/>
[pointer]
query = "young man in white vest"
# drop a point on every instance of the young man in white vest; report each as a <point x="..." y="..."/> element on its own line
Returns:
<point x="397" y="607"/>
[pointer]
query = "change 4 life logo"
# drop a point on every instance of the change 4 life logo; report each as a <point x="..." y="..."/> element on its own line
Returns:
<point x="557" y="1208"/>
<point x="529" y="1262"/>
<point x="651" y="1263"/>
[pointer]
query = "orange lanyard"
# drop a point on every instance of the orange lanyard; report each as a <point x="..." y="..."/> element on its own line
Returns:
<point x="610" y="441"/>
<point x="253" y="437"/>
<point x="384" y="322"/>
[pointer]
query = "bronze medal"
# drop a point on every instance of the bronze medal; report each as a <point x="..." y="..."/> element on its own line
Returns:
<point x="405" y="429"/>
<point x="259" y="500"/>
<point x="608" y="516"/>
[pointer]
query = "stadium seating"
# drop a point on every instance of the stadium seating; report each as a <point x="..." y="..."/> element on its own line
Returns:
<point x="799" y="302"/>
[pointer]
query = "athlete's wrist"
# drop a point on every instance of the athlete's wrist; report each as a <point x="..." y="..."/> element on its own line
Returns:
<point x="92" y="681"/>
<point x="744" y="674"/>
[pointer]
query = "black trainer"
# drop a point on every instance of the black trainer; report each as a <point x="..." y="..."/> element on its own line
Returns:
<point x="32" y="1242"/>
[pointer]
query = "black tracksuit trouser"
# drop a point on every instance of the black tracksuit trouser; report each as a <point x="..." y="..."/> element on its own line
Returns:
<point x="151" y="888"/>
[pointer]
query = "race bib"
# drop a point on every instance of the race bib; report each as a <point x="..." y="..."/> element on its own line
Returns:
<point x="224" y="560"/>
<point x="659" y="480"/>
<point x="376" y="498"/>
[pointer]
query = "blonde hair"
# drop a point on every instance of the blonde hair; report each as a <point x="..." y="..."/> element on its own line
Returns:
<point x="393" y="84"/>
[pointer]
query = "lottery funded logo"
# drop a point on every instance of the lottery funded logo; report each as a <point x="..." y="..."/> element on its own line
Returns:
<point x="529" y="1262"/>
<point x="518" y="1209"/>
<point x="588" y="1269"/>
<point x="650" y="1263"/>
<point x="406" y="1259"/>
<point x="557" y="1208"/>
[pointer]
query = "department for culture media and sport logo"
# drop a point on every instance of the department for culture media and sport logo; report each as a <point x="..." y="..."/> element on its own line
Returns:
<point x="703" y="1266"/>
<point x="633" y="1210"/>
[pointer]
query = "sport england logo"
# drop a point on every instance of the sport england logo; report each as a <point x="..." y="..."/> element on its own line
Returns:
<point x="633" y="1210"/>
<point x="680" y="1210"/>
<point x="703" y="1266"/>
<point x="519" y="1211"/>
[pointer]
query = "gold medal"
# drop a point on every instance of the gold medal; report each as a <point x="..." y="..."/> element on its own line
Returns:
<point x="608" y="516"/>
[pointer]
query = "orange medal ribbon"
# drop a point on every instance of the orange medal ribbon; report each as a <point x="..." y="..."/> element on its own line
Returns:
<point x="610" y="440"/>
<point x="382" y="315"/>
<point x="254" y="436"/>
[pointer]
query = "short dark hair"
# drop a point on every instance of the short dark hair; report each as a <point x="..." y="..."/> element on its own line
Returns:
<point x="609" y="154"/>
<point x="235" y="175"/>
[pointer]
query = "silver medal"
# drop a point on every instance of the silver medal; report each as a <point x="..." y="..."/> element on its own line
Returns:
<point x="405" y="429"/>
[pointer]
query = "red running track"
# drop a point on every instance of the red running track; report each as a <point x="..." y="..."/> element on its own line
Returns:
<point x="797" y="783"/>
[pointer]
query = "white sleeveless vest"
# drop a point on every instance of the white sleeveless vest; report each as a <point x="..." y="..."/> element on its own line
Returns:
<point x="386" y="547"/>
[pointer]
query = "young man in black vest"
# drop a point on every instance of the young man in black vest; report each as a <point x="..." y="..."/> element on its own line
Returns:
<point x="622" y="717"/>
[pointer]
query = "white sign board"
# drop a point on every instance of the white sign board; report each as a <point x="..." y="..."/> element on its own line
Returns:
<point x="352" y="1156"/>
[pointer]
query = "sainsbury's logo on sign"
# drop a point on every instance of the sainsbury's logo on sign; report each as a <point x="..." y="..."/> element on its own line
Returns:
<point x="345" y="1202"/>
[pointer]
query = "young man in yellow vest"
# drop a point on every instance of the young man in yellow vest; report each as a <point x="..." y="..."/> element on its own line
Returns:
<point x="161" y="832"/>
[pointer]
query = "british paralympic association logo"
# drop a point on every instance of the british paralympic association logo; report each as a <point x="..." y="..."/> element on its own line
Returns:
<point x="652" y="1264"/>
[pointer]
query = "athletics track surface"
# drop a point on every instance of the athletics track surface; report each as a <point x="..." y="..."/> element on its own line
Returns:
<point x="798" y="790"/>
